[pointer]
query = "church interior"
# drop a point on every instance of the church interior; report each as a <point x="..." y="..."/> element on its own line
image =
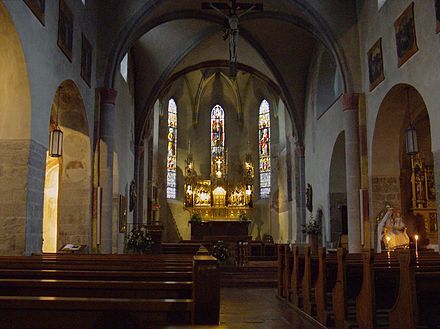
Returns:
<point x="219" y="163"/>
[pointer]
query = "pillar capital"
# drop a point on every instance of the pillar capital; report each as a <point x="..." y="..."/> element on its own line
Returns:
<point x="108" y="95"/>
<point x="350" y="102"/>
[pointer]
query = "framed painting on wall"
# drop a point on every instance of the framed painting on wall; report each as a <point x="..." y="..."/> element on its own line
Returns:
<point x="437" y="15"/>
<point x="65" y="30"/>
<point x="86" y="60"/>
<point x="37" y="7"/>
<point x="405" y="35"/>
<point x="375" y="64"/>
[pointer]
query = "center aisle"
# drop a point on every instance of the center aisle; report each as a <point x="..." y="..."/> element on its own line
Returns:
<point x="255" y="308"/>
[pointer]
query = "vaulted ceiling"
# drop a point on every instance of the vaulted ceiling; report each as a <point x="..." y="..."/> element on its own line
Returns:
<point x="279" y="43"/>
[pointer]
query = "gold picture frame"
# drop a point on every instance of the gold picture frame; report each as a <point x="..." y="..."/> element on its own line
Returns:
<point x="65" y="30"/>
<point x="38" y="8"/>
<point x="375" y="64"/>
<point x="406" y="41"/>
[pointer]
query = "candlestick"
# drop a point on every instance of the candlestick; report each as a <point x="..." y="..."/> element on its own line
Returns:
<point x="416" y="238"/>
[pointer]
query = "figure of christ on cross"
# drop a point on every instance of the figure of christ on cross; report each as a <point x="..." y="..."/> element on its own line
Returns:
<point x="232" y="29"/>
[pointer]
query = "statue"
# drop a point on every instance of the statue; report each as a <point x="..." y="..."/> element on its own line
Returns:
<point x="309" y="198"/>
<point x="392" y="231"/>
<point x="133" y="195"/>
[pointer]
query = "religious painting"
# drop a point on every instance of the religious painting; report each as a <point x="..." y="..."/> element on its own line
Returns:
<point x="217" y="141"/>
<point x="264" y="148"/>
<point x="86" y="60"/>
<point x="375" y="64"/>
<point x="37" y="7"/>
<point x="437" y="15"/>
<point x="65" y="30"/>
<point x="172" y="149"/>
<point x="405" y="35"/>
<point x="122" y="214"/>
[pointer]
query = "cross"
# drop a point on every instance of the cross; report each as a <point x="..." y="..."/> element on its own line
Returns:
<point x="232" y="30"/>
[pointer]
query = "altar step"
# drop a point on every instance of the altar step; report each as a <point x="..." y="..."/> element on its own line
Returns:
<point x="254" y="274"/>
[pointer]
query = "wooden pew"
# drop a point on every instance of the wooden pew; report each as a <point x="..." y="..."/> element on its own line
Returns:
<point x="296" y="277"/>
<point x="280" y="270"/>
<point x="24" y="312"/>
<point x="308" y="281"/>
<point x="417" y="302"/>
<point x="287" y="271"/>
<point x="112" y="281"/>
<point x="325" y="281"/>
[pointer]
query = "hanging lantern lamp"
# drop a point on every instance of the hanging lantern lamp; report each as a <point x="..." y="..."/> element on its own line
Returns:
<point x="56" y="135"/>
<point x="412" y="147"/>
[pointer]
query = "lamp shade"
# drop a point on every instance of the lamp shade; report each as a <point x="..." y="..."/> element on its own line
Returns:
<point x="412" y="146"/>
<point x="56" y="143"/>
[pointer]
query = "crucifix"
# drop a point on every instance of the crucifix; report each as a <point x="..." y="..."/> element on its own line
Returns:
<point x="231" y="29"/>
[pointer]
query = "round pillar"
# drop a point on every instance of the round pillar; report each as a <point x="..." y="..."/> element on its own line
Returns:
<point x="350" y="107"/>
<point x="106" y="150"/>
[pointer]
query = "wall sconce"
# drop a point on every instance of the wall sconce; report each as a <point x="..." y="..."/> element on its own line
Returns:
<point x="56" y="135"/>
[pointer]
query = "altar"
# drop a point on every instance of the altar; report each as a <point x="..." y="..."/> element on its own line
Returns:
<point x="213" y="230"/>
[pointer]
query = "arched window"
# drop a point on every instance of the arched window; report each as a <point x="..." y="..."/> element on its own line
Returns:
<point x="218" y="141"/>
<point x="172" y="149"/>
<point x="264" y="148"/>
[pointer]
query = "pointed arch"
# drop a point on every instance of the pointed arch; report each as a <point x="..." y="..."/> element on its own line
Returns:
<point x="264" y="148"/>
<point x="172" y="149"/>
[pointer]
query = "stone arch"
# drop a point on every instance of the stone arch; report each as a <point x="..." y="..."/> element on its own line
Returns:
<point x="74" y="195"/>
<point x="390" y="165"/>
<point x="337" y="192"/>
<point x="15" y="145"/>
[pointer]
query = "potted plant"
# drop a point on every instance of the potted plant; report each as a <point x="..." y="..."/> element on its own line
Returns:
<point x="139" y="241"/>
<point x="196" y="218"/>
<point x="243" y="217"/>
<point x="220" y="252"/>
<point x="312" y="228"/>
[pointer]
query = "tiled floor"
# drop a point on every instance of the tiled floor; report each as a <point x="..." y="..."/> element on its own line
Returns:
<point x="255" y="308"/>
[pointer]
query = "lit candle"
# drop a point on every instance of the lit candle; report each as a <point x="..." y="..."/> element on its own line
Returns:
<point x="416" y="237"/>
<point x="388" y="241"/>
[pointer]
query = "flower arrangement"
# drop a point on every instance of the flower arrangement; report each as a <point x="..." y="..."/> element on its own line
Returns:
<point x="243" y="217"/>
<point x="220" y="251"/>
<point x="312" y="226"/>
<point x="139" y="240"/>
<point x="196" y="217"/>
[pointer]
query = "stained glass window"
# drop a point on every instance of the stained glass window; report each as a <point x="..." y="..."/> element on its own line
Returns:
<point x="264" y="148"/>
<point x="172" y="149"/>
<point x="218" y="141"/>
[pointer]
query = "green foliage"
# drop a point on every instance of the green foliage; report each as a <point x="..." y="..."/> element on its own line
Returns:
<point x="139" y="240"/>
<point x="220" y="251"/>
<point x="312" y="226"/>
<point x="196" y="217"/>
<point x="243" y="216"/>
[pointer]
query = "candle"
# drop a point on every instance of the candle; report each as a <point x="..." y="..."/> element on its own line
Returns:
<point x="388" y="242"/>
<point x="416" y="238"/>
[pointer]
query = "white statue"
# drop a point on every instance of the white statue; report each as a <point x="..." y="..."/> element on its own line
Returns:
<point x="392" y="231"/>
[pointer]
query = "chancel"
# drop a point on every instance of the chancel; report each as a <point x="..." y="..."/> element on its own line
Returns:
<point x="224" y="163"/>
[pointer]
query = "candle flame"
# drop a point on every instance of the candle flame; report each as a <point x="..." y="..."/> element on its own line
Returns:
<point x="416" y="237"/>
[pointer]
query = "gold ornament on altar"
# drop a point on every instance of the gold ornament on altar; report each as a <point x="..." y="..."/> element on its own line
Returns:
<point x="217" y="198"/>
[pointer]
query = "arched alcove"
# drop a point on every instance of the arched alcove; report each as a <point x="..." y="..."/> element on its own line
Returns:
<point x="73" y="218"/>
<point x="15" y="144"/>
<point x="338" y="192"/>
<point x="391" y="167"/>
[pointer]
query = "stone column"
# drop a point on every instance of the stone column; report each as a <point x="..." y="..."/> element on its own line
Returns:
<point x="300" y="180"/>
<point x="350" y="107"/>
<point x="107" y="123"/>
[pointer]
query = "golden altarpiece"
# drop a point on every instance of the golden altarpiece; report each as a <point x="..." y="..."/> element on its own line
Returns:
<point x="217" y="198"/>
<point x="423" y="204"/>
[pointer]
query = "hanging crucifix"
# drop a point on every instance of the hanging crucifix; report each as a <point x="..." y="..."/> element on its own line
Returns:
<point x="231" y="29"/>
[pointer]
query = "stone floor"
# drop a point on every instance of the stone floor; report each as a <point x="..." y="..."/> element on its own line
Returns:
<point x="255" y="308"/>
